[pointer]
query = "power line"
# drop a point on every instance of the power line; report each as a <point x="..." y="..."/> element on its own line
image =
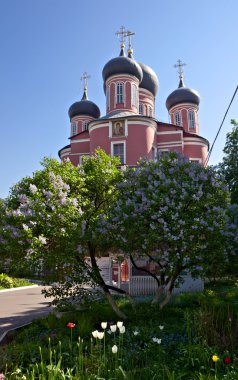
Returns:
<point x="209" y="154"/>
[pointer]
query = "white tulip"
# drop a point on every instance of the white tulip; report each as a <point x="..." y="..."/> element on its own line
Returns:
<point x="113" y="328"/>
<point x="122" y="329"/>
<point x="95" y="334"/>
<point x="136" y="332"/>
<point x="156" y="340"/>
<point x="114" y="349"/>
<point x="104" y="325"/>
<point x="100" y="335"/>
<point x="119" y="324"/>
<point x="161" y="327"/>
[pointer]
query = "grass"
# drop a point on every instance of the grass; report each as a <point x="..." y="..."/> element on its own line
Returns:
<point x="192" y="328"/>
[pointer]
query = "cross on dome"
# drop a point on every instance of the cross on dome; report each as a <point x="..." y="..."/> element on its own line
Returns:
<point x="122" y="35"/>
<point x="85" y="78"/>
<point x="180" y="66"/>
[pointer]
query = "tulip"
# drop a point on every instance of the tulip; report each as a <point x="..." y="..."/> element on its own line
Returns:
<point x="122" y="329"/>
<point x="104" y="325"/>
<point x="119" y="324"/>
<point x="100" y="335"/>
<point x="95" y="334"/>
<point x="215" y="358"/>
<point x="161" y="327"/>
<point x="71" y="325"/>
<point x="136" y="332"/>
<point x="227" y="360"/>
<point x="114" y="349"/>
<point x="113" y="328"/>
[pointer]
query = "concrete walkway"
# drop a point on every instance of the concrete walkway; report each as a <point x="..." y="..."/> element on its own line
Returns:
<point x="20" y="306"/>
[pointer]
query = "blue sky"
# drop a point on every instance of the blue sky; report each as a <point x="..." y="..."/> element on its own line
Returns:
<point x="46" y="45"/>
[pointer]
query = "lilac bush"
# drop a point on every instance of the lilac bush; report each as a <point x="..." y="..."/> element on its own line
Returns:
<point x="172" y="212"/>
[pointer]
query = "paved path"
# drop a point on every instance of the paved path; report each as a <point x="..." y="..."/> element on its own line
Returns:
<point x="20" y="306"/>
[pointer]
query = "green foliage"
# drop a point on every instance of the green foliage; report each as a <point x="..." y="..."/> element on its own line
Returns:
<point x="7" y="282"/>
<point x="229" y="165"/>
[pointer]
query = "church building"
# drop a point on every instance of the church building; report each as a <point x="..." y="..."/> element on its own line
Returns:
<point x="129" y="129"/>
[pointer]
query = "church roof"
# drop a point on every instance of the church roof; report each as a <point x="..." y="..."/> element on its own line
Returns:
<point x="182" y="95"/>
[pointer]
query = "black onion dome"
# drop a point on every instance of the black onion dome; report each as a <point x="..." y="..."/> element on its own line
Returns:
<point x="84" y="107"/>
<point x="150" y="80"/>
<point x="182" y="95"/>
<point x="122" y="65"/>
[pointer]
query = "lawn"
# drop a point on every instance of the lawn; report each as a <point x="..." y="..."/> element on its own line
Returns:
<point x="194" y="337"/>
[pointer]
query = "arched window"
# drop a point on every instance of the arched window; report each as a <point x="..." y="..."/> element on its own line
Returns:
<point x="108" y="98"/>
<point x="120" y="93"/>
<point x="134" y="95"/>
<point x="85" y="125"/>
<point x="150" y="112"/>
<point x="177" y="118"/>
<point x="191" y="120"/>
<point x="141" y="109"/>
<point x="74" y="129"/>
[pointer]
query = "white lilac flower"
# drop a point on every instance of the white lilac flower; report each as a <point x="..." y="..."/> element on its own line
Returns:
<point x="114" y="349"/>
<point x="104" y="325"/>
<point x="33" y="188"/>
<point x="25" y="227"/>
<point x="95" y="334"/>
<point x="100" y="335"/>
<point x="156" y="340"/>
<point x="119" y="324"/>
<point x="42" y="239"/>
<point x="122" y="329"/>
<point x="161" y="327"/>
<point x="113" y="328"/>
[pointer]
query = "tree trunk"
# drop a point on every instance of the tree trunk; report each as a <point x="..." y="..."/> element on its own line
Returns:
<point x="103" y="285"/>
<point x="158" y="295"/>
<point x="166" y="300"/>
<point x="114" y="306"/>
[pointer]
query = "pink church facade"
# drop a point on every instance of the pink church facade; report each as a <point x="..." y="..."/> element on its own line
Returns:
<point x="129" y="128"/>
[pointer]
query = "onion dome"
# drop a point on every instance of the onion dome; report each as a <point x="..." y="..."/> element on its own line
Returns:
<point x="122" y="65"/>
<point x="150" y="80"/>
<point x="84" y="107"/>
<point x="182" y="95"/>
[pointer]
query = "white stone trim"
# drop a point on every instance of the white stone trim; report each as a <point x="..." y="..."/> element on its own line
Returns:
<point x="79" y="141"/>
<point x="169" y="132"/>
<point x="195" y="159"/>
<point x="92" y="127"/>
<point x="195" y="143"/>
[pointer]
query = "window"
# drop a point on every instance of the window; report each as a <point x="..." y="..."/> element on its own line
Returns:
<point x="74" y="129"/>
<point x="177" y="118"/>
<point x="85" y="125"/>
<point x="141" y="109"/>
<point x="134" y="95"/>
<point x="120" y="93"/>
<point x="191" y="119"/>
<point x="150" y="111"/>
<point x="118" y="151"/>
<point x="108" y="98"/>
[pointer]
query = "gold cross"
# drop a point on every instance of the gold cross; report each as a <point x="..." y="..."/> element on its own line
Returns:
<point x="122" y="34"/>
<point x="85" y="78"/>
<point x="129" y="34"/>
<point x="180" y="70"/>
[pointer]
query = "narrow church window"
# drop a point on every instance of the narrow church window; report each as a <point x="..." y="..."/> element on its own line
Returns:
<point x="120" y="93"/>
<point x="191" y="119"/>
<point x="134" y="95"/>
<point x="108" y="98"/>
<point x="85" y="125"/>
<point x="150" y="111"/>
<point x="177" y="118"/>
<point x="141" y="109"/>
<point x="118" y="151"/>
<point x="74" y="129"/>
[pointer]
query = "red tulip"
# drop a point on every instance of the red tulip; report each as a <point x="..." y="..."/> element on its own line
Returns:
<point x="227" y="360"/>
<point x="70" y="325"/>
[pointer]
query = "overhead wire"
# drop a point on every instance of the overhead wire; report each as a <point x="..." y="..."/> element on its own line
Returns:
<point x="210" y="152"/>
